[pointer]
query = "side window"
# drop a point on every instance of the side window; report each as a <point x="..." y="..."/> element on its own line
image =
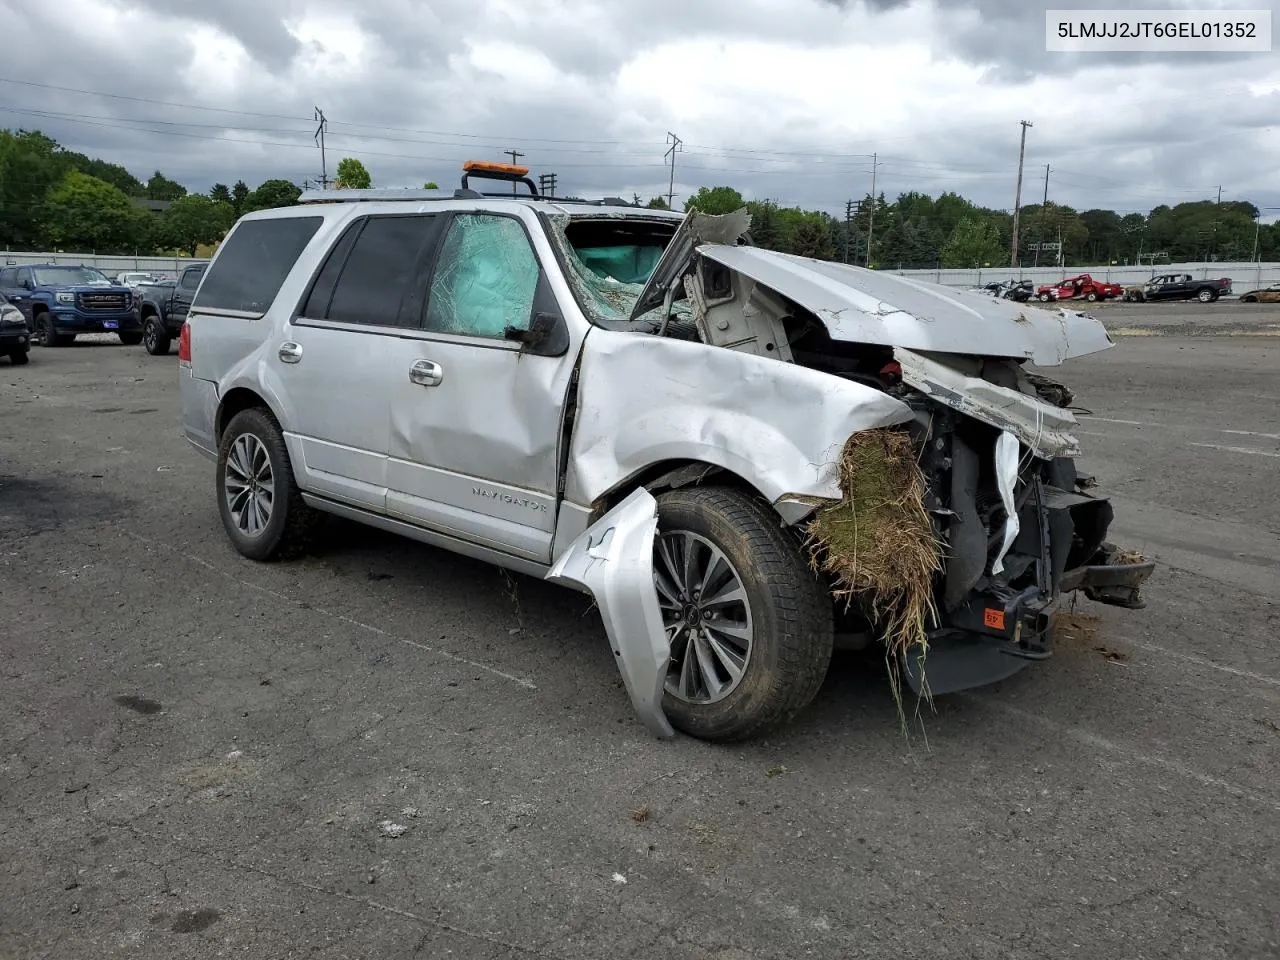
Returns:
<point x="9" y="277"/>
<point x="378" y="283"/>
<point x="190" y="279"/>
<point x="485" y="277"/>
<point x="254" y="262"/>
<point x="24" y="278"/>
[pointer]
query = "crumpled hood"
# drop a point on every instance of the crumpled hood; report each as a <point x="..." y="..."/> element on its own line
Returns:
<point x="867" y="306"/>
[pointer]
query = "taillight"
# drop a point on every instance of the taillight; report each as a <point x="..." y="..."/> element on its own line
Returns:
<point x="184" y="344"/>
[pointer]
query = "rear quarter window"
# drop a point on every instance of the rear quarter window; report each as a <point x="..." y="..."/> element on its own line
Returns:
<point x="253" y="264"/>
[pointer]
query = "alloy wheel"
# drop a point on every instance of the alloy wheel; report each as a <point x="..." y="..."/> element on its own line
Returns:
<point x="249" y="485"/>
<point x="706" y="614"/>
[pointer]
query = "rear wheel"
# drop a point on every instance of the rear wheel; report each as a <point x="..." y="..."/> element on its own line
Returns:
<point x="748" y="621"/>
<point x="258" y="500"/>
<point x="1091" y="296"/>
<point x="154" y="337"/>
<point x="1248" y="299"/>
<point x="1206" y="296"/>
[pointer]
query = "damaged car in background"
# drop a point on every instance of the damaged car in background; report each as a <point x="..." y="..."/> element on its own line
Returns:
<point x="744" y="456"/>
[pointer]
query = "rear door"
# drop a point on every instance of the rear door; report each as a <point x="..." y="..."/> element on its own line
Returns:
<point x="475" y="419"/>
<point x="341" y="354"/>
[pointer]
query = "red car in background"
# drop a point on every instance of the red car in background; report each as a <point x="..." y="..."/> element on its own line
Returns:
<point x="1076" y="288"/>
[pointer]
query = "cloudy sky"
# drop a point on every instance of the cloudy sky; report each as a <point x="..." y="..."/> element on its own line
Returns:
<point x="785" y="99"/>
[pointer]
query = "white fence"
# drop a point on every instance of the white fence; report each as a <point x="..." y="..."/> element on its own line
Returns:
<point x="1244" y="275"/>
<point x="108" y="265"/>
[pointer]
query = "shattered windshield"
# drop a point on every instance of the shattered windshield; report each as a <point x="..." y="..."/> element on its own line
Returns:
<point x="609" y="259"/>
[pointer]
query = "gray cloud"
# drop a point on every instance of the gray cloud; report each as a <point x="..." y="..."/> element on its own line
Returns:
<point x="1149" y="134"/>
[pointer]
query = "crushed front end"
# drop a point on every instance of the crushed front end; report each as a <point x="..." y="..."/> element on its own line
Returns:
<point x="1019" y="525"/>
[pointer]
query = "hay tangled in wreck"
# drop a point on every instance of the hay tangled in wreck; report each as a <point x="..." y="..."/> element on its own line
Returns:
<point x="879" y="544"/>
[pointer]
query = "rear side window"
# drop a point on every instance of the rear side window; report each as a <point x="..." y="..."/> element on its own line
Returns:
<point x="190" y="278"/>
<point x="375" y="273"/>
<point x="254" y="262"/>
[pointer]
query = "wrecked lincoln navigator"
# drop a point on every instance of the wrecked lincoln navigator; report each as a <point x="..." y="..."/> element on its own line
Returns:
<point x="741" y="455"/>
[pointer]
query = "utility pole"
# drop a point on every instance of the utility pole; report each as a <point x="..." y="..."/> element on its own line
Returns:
<point x="319" y="138"/>
<point x="1017" y="197"/>
<point x="871" y="223"/>
<point x="547" y="184"/>
<point x="514" y="155"/>
<point x="677" y="145"/>
<point x="1044" y="217"/>
<point x="849" y="206"/>
<point x="1219" y="196"/>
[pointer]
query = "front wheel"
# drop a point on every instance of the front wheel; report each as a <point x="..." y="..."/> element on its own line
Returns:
<point x="45" y="335"/>
<point x="1248" y="299"/>
<point x="19" y="357"/>
<point x="1042" y="297"/>
<point x="258" y="500"/>
<point x="748" y="621"/>
<point x="130" y="339"/>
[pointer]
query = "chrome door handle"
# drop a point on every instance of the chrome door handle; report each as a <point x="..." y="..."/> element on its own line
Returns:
<point x="290" y="352"/>
<point x="426" y="373"/>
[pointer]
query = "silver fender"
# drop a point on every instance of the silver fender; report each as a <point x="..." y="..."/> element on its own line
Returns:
<point x="613" y="561"/>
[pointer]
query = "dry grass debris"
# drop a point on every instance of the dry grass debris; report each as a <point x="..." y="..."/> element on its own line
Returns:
<point x="878" y="542"/>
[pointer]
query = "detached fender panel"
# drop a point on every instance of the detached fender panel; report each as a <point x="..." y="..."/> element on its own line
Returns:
<point x="613" y="561"/>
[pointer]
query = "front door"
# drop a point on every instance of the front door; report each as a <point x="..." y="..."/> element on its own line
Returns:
<point x="337" y="361"/>
<point x="476" y="420"/>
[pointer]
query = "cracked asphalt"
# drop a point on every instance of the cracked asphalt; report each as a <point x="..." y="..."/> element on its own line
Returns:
<point x="388" y="751"/>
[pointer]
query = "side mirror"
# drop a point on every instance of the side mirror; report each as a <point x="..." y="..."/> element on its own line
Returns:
<point x="534" y="336"/>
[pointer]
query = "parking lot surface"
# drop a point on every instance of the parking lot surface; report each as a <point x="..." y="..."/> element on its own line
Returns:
<point x="384" y="750"/>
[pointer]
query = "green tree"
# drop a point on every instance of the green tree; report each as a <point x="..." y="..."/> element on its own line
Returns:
<point x="431" y="185"/>
<point x="220" y="193"/>
<point x="196" y="219"/>
<point x="271" y="194"/>
<point x="657" y="203"/>
<point x="973" y="243"/>
<point x="239" y="197"/>
<point x="160" y="187"/>
<point x="715" y="200"/>
<point x="352" y="175"/>
<point x="85" y="214"/>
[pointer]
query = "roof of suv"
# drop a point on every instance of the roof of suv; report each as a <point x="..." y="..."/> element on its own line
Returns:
<point x="610" y="206"/>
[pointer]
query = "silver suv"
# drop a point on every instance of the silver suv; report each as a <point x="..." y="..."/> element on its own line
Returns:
<point x="646" y="407"/>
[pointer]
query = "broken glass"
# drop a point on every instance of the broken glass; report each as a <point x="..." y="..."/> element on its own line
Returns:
<point x="485" y="278"/>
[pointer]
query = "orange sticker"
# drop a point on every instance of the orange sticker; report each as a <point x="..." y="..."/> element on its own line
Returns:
<point x="993" y="618"/>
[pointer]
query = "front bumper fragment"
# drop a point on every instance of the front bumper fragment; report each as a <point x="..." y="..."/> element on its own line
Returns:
<point x="1111" y="576"/>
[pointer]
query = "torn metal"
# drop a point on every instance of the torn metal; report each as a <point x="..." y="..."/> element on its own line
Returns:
<point x="955" y="382"/>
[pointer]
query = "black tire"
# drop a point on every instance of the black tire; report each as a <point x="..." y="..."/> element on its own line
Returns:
<point x="1207" y="296"/>
<point x="286" y="531"/>
<point x="154" y="336"/>
<point x="19" y="357"/>
<point x="1248" y="299"/>
<point x="1042" y="297"/>
<point x="1091" y="296"/>
<point x="791" y="618"/>
<point x="131" y="339"/>
<point x="44" y="334"/>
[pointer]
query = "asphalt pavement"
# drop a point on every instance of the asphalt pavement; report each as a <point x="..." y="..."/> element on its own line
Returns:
<point x="384" y="750"/>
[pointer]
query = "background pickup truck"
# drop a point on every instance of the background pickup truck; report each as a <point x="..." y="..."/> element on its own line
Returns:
<point x="165" y="307"/>
<point x="61" y="301"/>
<point x="1180" y="286"/>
